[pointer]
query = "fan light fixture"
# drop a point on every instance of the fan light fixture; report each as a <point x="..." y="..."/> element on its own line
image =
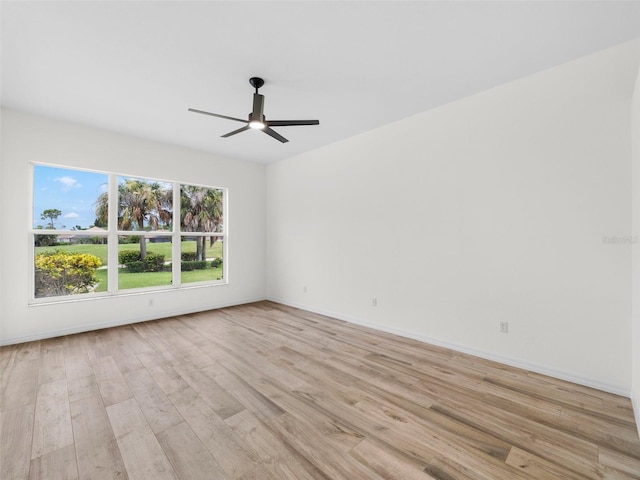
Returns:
<point x="256" y="118"/>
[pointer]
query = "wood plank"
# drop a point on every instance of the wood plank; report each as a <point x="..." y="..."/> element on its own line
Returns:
<point x="7" y="361"/>
<point x="218" y="399"/>
<point x="554" y="446"/>
<point x="620" y="462"/>
<point x="311" y="445"/>
<point x="82" y="387"/>
<point x="22" y="384"/>
<point x="576" y="404"/>
<point x="163" y="346"/>
<point x="154" y="403"/>
<point x="16" y="427"/>
<point x="51" y="363"/>
<point x="442" y="468"/>
<point x="76" y="360"/>
<point x="257" y="436"/>
<point x="539" y="467"/>
<point x="97" y="450"/>
<point x="113" y="387"/>
<point x="234" y="456"/>
<point x="59" y="464"/>
<point x="167" y="378"/>
<point x="188" y="455"/>
<point x="52" y="428"/>
<point x="142" y="454"/>
<point x="255" y="402"/>
<point x="28" y="351"/>
<point x="126" y="360"/>
<point x="387" y="464"/>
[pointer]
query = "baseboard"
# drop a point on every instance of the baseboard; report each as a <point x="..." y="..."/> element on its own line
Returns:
<point x="116" y="323"/>
<point x="513" y="362"/>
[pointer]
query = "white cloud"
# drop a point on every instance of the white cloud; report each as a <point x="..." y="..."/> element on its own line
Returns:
<point x="71" y="215"/>
<point x="68" y="183"/>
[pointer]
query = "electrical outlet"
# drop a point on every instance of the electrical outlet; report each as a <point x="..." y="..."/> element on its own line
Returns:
<point x="304" y="289"/>
<point x="504" y="327"/>
<point x="374" y="302"/>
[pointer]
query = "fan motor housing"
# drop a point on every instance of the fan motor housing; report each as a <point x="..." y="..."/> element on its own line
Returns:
<point x="256" y="82"/>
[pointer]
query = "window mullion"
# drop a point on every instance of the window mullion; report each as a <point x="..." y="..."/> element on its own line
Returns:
<point x="112" y="236"/>
<point x="176" y="239"/>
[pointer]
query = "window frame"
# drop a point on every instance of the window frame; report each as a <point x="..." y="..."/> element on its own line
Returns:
<point x="112" y="235"/>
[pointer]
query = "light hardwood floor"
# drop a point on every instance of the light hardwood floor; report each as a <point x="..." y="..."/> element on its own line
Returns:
<point x="268" y="392"/>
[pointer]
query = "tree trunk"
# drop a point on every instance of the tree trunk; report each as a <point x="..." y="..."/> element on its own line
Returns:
<point x="203" y="249"/>
<point x="143" y="247"/>
<point x="198" y="248"/>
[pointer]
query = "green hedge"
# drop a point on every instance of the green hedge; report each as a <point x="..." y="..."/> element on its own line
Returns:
<point x="127" y="256"/>
<point x="135" y="267"/>
<point x="154" y="262"/>
<point x="133" y="262"/>
<point x="194" y="265"/>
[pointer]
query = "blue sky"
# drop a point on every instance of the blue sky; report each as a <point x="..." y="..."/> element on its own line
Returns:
<point x="74" y="192"/>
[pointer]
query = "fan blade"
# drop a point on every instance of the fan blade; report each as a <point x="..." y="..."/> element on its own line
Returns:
<point x="246" y="127"/>
<point x="217" y="115"/>
<point x="288" y="123"/>
<point x="275" y="135"/>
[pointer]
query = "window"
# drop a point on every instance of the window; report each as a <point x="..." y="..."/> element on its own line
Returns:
<point x="103" y="234"/>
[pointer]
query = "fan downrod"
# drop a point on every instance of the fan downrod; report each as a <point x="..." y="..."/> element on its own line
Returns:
<point x="256" y="82"/>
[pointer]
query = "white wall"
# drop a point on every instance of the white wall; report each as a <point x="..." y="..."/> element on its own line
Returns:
<point x="28" y="138"/>
<point x="635" y="329"/>
<point x="490" y="209"/>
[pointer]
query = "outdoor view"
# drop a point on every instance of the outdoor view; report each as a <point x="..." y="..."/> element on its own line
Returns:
<point x="71" y="233"/>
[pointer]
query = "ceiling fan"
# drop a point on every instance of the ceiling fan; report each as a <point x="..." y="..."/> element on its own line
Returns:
<point x="257" y="119"/>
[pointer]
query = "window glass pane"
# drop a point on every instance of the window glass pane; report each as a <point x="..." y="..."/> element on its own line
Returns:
<point x="69" y="264"/>
<point x="144" y="205"/>
<point x="201" y="209"/>
<point x="143" y="261"/>
<point x="201" y="259"/>
<point x="66" y="199"/>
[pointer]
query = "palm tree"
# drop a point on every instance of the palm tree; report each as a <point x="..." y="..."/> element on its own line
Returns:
<point x="141" y="206"/>
<point x="201" y="211"/>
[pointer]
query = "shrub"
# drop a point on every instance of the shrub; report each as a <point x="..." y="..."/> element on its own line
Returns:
<point x="135" y="267"/>
<point x="59" y="273"/>
<point x="153" y="262"/>
<point x="195" y="265"/>
<point x="188" y="256"/>
<point x="132" y="261"/>
<point x="216" y="262"/>
<point x="128" y="256"/>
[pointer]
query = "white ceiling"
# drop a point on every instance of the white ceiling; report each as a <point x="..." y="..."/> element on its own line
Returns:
<point x="135" y="67"/>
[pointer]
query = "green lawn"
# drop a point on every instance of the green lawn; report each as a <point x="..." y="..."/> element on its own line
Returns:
<point x="163" y="248"/>
<point x="128" y="280"/>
